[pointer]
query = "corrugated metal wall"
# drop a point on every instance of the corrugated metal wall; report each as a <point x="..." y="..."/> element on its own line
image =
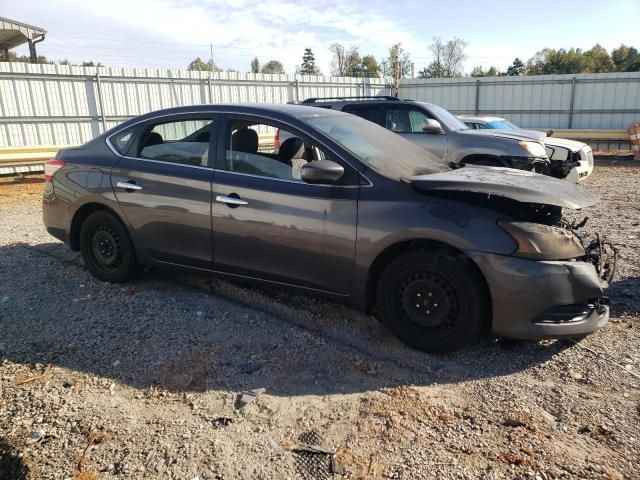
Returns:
<point x="598" y="101"/>
<point x="61" y="105"/>
<point x="65" y="105"/>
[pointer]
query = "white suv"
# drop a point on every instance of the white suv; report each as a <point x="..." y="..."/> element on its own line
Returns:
<point x="572" y="160"/>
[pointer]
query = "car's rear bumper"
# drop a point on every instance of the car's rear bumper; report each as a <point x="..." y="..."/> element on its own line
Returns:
<point x="55" y="214"/>
<point x="538" y="299"/>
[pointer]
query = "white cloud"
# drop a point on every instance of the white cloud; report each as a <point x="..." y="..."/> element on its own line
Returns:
<point x="239" y="29"/>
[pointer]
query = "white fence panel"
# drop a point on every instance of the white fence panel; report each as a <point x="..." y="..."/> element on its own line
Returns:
<point x="596" y="101"/>
<point x="63" y="105"/>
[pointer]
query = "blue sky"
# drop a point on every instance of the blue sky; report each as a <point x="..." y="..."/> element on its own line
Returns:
<point x="170" y="33"/>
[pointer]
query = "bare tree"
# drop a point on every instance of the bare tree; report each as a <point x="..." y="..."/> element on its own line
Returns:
<point x="338" y="60"/>
<point x="447" y="58"/>
<point x="346" y="62"/>
<point x="396" y="66"/>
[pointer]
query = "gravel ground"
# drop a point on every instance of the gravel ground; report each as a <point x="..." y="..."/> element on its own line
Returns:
<point x="142" y="380"/>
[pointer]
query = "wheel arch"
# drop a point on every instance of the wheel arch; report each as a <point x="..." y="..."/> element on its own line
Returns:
<point x="81" y="215"/>
<point x="395" y="250"/>
<point x="475" y="157"/>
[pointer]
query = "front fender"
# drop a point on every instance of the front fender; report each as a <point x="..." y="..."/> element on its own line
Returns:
<point x="459" y="225"/>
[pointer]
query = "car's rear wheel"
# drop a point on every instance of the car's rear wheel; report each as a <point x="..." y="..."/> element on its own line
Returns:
<point x="432" y="301"/>
<point x="106" y="248"/>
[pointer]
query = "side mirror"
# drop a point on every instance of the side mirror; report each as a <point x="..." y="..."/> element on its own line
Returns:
<point x="549" y="132"/>
<point x="432" y="126"/>
<point x="321" y="171"/>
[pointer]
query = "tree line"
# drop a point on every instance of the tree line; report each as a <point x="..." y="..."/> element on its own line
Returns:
<point x="448" y="58"/>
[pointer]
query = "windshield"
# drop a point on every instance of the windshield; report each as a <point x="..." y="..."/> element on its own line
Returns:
<point x="502" y="125"/>
<point x="445" y="117"/>
<point x="385" y="152"/>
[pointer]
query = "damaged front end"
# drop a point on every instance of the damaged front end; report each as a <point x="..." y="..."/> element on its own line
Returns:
<point x="552" y="284"/>
<point x="602" y="254"/>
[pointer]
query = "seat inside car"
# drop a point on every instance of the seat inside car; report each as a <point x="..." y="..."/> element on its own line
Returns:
<point x="244" y="140"/>
<point x="154" y="138"/>
<point x="292" y="153"/>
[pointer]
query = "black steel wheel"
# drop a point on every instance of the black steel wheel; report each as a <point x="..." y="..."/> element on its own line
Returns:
<point x="432" y="301"/>
<point x="106" y="248"/>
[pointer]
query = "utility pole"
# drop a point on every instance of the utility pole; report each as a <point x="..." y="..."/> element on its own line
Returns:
<point x="395" y="88"/>
<point x="211" y="74"/>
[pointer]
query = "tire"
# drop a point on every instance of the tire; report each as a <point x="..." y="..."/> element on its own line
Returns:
<point x="106" y="248"/>
<point x="432" y="301"/>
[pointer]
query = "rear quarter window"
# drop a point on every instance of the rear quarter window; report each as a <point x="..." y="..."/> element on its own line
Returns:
<point x="122" y="141"/>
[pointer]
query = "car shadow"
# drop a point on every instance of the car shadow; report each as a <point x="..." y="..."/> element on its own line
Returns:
<point x="625" y="296"/>
<point x="189" y="332"/>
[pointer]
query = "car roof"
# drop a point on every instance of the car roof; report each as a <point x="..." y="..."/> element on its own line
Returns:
<point x="373" y="100"/>
<point x="291" y="110"/>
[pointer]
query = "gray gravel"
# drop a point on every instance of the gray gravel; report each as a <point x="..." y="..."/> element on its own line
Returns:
<point x="141" y="380"/>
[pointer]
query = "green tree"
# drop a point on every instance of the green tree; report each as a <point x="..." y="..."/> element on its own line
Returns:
<point x="255" y="65"/>
<point x="198" y="64"/>
<point x="625" y="59"/>
<point x="448" y="58"/>
<point x="516" y="68"/>
<point x="273" y="67"/>
<point x="490" y="72"/>
<point x="309" y="66"/>
<point x="551" y="61"/>
<point x="597" y="60"/>
<point x="13" y="57"/>
<point x="369" y="67"/>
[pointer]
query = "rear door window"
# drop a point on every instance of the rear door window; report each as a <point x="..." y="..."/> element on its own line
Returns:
<point x="184" y="142"/>
<point x="368" y="112"/>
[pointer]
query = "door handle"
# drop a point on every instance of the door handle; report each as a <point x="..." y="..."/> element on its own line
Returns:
<point x="128" y="185"/>
<point x="235" y="200"/>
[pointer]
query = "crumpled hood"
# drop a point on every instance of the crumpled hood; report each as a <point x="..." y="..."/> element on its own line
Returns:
<point x="518" y="185"/>
<point x="515" y="135"/>
<point x="572" y="145"/>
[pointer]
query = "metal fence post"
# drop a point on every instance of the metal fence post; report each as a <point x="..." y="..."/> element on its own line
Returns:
<point x="573" y="97"/>
<point x="478" y="97"/>
<point x="100" y="103"/>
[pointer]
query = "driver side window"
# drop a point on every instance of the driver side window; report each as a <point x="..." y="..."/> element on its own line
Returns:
<point x="255" y="148"/>
<point x="405" y="121"/>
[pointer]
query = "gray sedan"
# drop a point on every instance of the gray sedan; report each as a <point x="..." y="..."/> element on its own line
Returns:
<point x="342" y="208"/>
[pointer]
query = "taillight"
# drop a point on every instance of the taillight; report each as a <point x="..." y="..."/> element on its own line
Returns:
<point x="51" y="167"/>
<point x="276" y="140"/>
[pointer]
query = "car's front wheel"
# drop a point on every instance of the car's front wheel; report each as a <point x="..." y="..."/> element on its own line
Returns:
<point x="106" y="248"/>
<point x="432" y="301"/>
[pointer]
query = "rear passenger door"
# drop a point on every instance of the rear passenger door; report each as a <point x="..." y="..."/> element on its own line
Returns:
<point x="163" y="185"/>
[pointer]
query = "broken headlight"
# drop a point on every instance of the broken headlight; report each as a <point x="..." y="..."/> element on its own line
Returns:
<point x="542" y="242"/>
<point x="535" y="149"/>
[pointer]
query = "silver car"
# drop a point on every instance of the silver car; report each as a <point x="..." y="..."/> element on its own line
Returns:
<point x="442" y="134"/>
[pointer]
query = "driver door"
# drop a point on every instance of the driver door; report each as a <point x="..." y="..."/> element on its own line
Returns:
<point x="407" y="121"/>
<point x="270" y="224"/>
